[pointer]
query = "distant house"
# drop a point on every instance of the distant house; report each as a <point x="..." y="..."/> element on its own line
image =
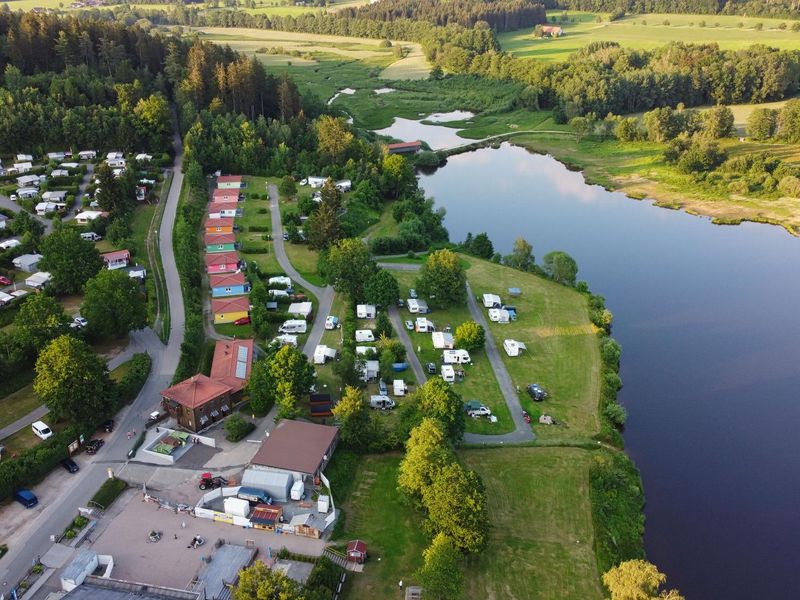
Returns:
<point x="69" y="165"/>
<point x="23" y="167"/>
<point x="225" y="196"/>
<point x="298" y="448"/>
<point x="404" y="147"/>
<point x="223" y="262"/>
<point x="38" y="280"/>
<point x="224" y="210"/>
<point x="27" y="262"/>
<point x="28" y="181"/>
<point x="228" y="284"/>
<point x="27" y="192"/>
<point x="116" y="163"/>
<point x="24" y="158"/>
<point x="114" y="155"/>
<point x="228" y="310"/>
<point x="218" y="225"/>
<point x="197" y="402"/>
<point x="220" y="242"/>
<point x="45" y="208"/>
<point x="87" y="216"/>
<point x="552" y="31"/>
<point x="231" y="365"/>
<point x="119" y="259"/>
<point x="87" y="154"/>
<point x="59" y="173"/>
<point x="356" y="551"/>
<point x="56" y="155"/>
<point x="55" y="196"/>
<point x="230" y="182"/>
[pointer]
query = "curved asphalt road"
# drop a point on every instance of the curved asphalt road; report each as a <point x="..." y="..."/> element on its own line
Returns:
<point x="324" y="295"/>
<point x="54" y="513"/>
<point x="522" y="430"/>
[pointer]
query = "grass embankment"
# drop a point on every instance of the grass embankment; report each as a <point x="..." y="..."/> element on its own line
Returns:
<point x="108" y="492"/>
<point x="17" y="405"/>
<point x="651" y="31"/>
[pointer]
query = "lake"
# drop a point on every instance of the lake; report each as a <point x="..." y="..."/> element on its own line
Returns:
<point x="708" y="320"/>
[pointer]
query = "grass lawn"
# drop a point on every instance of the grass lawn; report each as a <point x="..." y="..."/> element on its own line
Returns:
<point x="120" y="372"/>
<point x="650" y="31"/>
<point x="385" y="227"/>
<point x="562" y="350"/>
<point x="542" y="536"/>
<point x="304" y="259"/>
<point x="17" y="405"/>
<point x="480" y="382"/>
<point x="391" y="529"/>
<point x="256" y="214"/>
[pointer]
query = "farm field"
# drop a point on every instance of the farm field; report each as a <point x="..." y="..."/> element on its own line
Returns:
<point x="562" y="353"/>
<point x="650" y="31"/>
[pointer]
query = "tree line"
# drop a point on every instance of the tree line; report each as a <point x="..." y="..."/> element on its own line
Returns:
<point x="784" y="9"/>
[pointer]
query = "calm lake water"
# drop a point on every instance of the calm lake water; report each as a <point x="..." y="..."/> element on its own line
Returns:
<point x="438" y="137"/>
<point x="709" y="324"/>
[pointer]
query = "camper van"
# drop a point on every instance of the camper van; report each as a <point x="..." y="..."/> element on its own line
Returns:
<point x="41" y="430"/>
<point x="381" y="402"/>
<point x="91" y="236"/>
<point x="365" y="335"/>
<point x="456" y="357"/>
<point x="448" y="373"/>
<point x="293" y="326"/>
<point x="365" y="311"/>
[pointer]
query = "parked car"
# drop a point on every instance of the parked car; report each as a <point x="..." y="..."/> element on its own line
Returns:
<point x="5" y="280"/>
<point x="412" y="293"/>
<point x="384" y="391"/>
<point x="93" y="446"/>
<point x="13" y="197"/>
<point x="431" y="369"/>
<point x="26" y="497"/>
<point x="41" y="430"/>
<point x="536" y="392"/>
<point x="479" y="412"/>
<point x="78" y="322"/>
<point x="410" y="325"/>
<point x="401" y="303"/>
<point x="242" y="321"/>
<point x="108" y="426"/>
<point x="70" y="465"/>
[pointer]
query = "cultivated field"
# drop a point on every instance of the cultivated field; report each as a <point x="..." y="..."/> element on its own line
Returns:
<point x="651" y="31"/>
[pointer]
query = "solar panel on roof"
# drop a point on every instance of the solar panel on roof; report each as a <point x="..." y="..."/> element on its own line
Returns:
<point x="242" y="353"/>
<point x="241" y="362"/>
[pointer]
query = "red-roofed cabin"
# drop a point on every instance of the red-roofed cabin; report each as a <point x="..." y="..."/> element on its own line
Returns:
<point x="552" y="30"/>
<point x="219" y="225"/>
<point x="357" y="551"/>
<point x="232" y="362"/>
<point x="118" y="259"/>
<point x="404" y="147"/>
<point x="222" y="262"/>
<point x="197" y="402"/>
<point x="223" y="210"/>
<point x="224" y="195"/>
<point x="265" y="516"/>
<point x="230" y="182"/>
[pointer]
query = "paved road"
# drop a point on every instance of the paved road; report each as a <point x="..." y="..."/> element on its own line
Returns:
<point x="324" y="295"/>
<point x="522" y="430"/>
<point x="54" y="513"/>
<point x="411" y="355"/>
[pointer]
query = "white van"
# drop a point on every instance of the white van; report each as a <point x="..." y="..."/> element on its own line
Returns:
<point x="381" y="402"/>
<point x="456" y="357"/>
<point x="293" y="326"/>
<point x="41" y="430"/>
<point x="91" y="236"/>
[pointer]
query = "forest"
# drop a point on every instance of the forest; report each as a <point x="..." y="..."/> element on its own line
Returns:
<point x="784" y="9"/>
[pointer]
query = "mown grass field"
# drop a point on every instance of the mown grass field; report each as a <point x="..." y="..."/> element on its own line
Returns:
<point x="479" y="382"/>
<point x="541" y="539"/>
<point x="651" y="31"/>
<point x="562" y="350"/>
<point x="17" y="405"/>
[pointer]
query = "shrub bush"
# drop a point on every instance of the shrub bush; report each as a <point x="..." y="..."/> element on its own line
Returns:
<point x="129" y="386"/>
<point x="237" y="427"/>
<point x="108" y="492"/>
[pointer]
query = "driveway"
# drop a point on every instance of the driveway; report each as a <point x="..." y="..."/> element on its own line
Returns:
<point x="324" y="295"/>
<point x="57" y="509"/>
<point x="402" y="335"/>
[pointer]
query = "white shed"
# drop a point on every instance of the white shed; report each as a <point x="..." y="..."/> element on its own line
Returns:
<point x="364" y="335"/>
<point x="513" y="347"/>
<point x="323" y="353"/>
<point x="366" y="311"/>
<point x="399" y="387"/>
<point x="498" y="315"/>
<point x="442" y="340"/>
<point x="492" y="301"/>
<point x="38" y="280"/>
<point x="448" y="373"/>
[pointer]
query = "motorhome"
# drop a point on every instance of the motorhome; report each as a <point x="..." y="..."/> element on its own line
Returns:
<point x="381" y="402"/>
<point x="448" y="373"/>
<point x="456" y="357"/>
<point x="293" y="326"/>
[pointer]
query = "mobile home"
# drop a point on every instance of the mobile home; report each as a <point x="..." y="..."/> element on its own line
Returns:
<point x="456" y="357"/>
<point x="513" y="347"/>
<point x="365" y="311"/>
<point x="293" y="326"/>
<point x="364" y="335"/>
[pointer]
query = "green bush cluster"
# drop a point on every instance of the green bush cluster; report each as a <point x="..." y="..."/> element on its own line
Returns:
<point x="237" y="427"/>
<point x="108" y="492"/>
<point x="139" y="369"/>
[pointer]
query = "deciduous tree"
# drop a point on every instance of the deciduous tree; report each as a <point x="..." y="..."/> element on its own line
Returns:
<point x="352" y="412"/>
<point x="39" y="320"/>
<point x="470" y="336"/>
<point x="436" y="398"/>
<point x="762" y="124"/>
<point x="113" y="304"/>
<point x="71" y="260"/>
<point x="442" y="279"/>
<point x="72" y="381"/>
<point x="560" y="267"/>
<point x="333" y="137"/>
<point x="349" y="266"/>
<point x="382" y="289"/>
<point x="521" y="256"/>
<point x="287" y="187"/>
<point x="427" y="451"/>
<point x="259" y="582"/>
<point x="397" y="176"/>
<point x="441" y="574"/>
<point x="293" y="376"/>
<point x="637" y="580"/>
<point x="323" y="227"/>
<point x="718" y="122"/>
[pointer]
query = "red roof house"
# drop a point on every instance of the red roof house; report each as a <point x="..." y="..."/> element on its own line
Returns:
<point x="357" y="551"/>
<point x="232" y="362"/>
<point x="117" y="259"/>
<point x="404" y="147"/>
<point x="230" y="310"/>
<point x="222" y="262"/>
<point x="225" y="195"/>
<point x="197" y="402"/>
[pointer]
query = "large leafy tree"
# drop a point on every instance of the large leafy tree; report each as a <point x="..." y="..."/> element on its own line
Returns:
<point x="762" y="124"/>
<point x="560" y="267"/>
<point x="293" y="376"/>
<point x="718" y="122"/>
<point x="333" y="137"/>
<point x="442" y="279"/>
<point x="154" y="120"/>
<point x="323" y="227"/>
<point x="353" y="414"/>
<point x="456" y="505"/>
<point x="470" y="336"/>
<point x="349" y="266"/>
<point x="113" y="304"/>
<point x="39" y="320"/>
<point x="427" y="451"/>
<point x="72" y="380"/>
<point x="259" y="582"/>
<point x="71" y="260"/>
<point x="521" y="256"/>
<point x="436" y="398"/>
<point x="441" y="574"/>
<point x="637" y="580"/>
<point x="261" y="388"/>
<point x="381" y="288"/>
<point x="398" y="175"/>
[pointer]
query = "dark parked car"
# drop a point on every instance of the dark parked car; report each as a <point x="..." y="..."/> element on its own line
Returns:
<point x="70" y="465"/>
<point x="431" y="368"/>
<point x="108" y="426"/>
<point x="536" y="392"/>
<point x="26" y="497"/>
<point x="93" y="446"/>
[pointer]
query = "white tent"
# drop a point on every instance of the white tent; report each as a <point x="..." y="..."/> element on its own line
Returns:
<point x="491" y="300"/>
<point x="442" y="340"/>
<point x="513" y="347"/>
<point x="323" y="353"/>
<point x="286" y="340"/>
